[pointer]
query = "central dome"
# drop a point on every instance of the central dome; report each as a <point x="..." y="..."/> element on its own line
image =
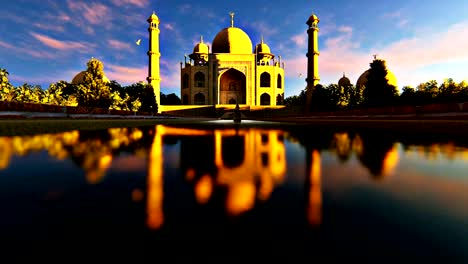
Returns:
<point x="232" y="40"/>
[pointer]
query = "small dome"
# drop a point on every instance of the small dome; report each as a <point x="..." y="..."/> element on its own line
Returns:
<point x="363" y="79"/>
<point x="344" y="81"/>
<point x="312" y="18"/>
<point x="262" y="48"/>
<point x="232" y="40"/>
<point x="79" y="78"/>
<point x="153" y="17"/>
<point x="201" y="48"/>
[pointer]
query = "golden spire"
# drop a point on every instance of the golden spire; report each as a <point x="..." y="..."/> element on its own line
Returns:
<point x="232" y="18"/>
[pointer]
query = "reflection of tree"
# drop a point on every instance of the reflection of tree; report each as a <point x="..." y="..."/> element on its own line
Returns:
<point x="378" y="152"/>
<point x="375" y="149"/>
<point x="342" y="143"/>
<point x="92" y="151"/>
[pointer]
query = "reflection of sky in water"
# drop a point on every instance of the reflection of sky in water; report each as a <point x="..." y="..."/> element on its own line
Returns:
<point x="342" y="183"/>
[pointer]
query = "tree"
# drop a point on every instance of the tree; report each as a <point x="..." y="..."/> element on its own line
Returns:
<point x="94" y="91"/>
<point x="322" y="99"/>
<point x="170" y="99"/>
<point x="408" y="96"/>
<point x="27" y="93"/>
<point x="148" y="100"/>
<point x="377" y="91"/>
<point x="61" y="93"/>
<point x="144" y="93"/>
<point x="7" y="91"/>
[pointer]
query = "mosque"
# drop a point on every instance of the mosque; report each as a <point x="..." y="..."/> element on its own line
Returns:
<point x="232" y="72"/>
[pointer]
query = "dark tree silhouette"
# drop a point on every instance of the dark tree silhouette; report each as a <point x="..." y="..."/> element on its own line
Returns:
<point x="377" y="91"/>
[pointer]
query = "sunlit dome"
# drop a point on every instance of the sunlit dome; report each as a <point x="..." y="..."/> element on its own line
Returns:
<point x="79" y="78"/>
<point x="153" y="17"/>
<point x="201" y="48"/>
<point x="390" y="78"/>
<point x="232" y="40"/>
<point x="262" y="48"/>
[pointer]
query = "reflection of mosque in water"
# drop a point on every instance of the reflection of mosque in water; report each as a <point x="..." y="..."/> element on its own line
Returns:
<point x="242" y="166"/>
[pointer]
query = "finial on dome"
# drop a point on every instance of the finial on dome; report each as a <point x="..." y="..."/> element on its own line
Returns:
<point x="201" y="39"/>
<point x="154" y="13"/>
<point x="375" y="56"/>
<point x="232" y="18"/>
<point x="261" y="39"/>
<point x="344" y="75"/>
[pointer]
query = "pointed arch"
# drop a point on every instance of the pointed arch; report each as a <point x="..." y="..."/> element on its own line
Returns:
<point x="232" y="87"/>
<point x="265" y="79"/>
<point x="185" y="81"/>
<point x="199" y="99"/>
<point x="199" y="79"/>
<point x="265" y="99"/>
<point x="279" y="81"/>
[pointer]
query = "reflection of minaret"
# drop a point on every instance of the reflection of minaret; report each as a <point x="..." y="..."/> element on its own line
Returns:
<point x="312" y="58"/>
<point x="314" y="173"/>
<point x="154" y="78"/>
<point x="155" y="182"/>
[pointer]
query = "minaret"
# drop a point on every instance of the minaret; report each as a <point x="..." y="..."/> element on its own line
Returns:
<point x="312" y="57"/>
<point x="154" y="78"/>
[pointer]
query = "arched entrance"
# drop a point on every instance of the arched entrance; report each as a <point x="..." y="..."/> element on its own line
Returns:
<point x="199" y="99"/>
<point x="265" y="99"/>
<point x="232" y="87"/>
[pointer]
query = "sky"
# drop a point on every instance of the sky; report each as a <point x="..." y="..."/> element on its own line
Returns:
<point x="42" y="42"/>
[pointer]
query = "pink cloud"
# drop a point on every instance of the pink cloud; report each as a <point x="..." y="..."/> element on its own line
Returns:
<point x="47" y="78"/>
<point x="345" y="29"/>
<point x="139" y="3"/>
<point x="62" y="45"/>
<point x="168" y="26"/>
<point x="299" y="40"/>
<point x="119" y="45"/>
<point x="52" y="27"/>
<point x="125" y="75"/>
<point x="21" y="51"/>
<point x="407" y="57"/>
<point x="170" y="74"/>
<point x="94" y="13"/>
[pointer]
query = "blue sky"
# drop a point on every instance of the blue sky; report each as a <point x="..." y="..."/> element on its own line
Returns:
<point x="47" y="41"/>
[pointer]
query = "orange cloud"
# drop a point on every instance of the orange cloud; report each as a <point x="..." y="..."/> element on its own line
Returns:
<point x="119" y="45"/>
<point x="62" y="45"/>
<point x="139" y="3"/>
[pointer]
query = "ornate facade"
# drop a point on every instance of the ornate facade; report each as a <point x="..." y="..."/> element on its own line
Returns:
<point x="231" y="73"/>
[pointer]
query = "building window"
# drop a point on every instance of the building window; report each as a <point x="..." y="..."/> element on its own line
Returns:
<point x="199" y="79"/>
<point x="185" y="81"/>
<point x="279" y="81"/>
<point x="185" y="100"/>
<point x="265" y="99"/>
<point x="265" y="79"/>
<point x="199" y="99"/>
